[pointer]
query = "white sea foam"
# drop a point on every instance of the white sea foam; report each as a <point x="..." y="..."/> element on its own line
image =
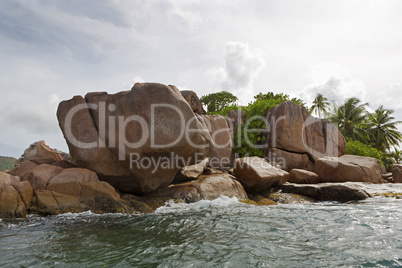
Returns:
<point x="377" y="188"/>
<point x="220" y="202"/>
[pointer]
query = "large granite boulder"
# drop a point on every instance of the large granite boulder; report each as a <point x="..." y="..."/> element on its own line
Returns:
<point x="397" y="173"/>
<point x="292" y="131"/>
<point x="39" y="150"/>
<point x="302" y="176"/>
<point x="15" y="196"/>
<point x="348" y="168"/>
<point x="193" y="100"/>
<point x="257" y="175"/>
<point x="219" y="131"/>
<point x="121" y="136"/>
<point x="206" y="187"/>
<point x="326" y="191"/>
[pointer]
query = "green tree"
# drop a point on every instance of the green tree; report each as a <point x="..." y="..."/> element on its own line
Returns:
<point x="396" y="156"/>
<point x="278" y="97"/>
<point x="350" y="118"/>
<point x="320" y="104"/>
<point x="215" y="102"/>
<point x="382" y="129"/>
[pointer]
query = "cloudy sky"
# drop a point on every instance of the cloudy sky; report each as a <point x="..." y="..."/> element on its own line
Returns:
<point x="52" y="50"/>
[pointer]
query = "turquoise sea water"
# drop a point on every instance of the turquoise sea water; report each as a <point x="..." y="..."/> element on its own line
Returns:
<point x="218" y="233"/>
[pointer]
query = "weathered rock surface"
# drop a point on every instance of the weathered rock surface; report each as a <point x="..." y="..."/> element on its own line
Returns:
<point x="39" y="149"/>
<point x="206" y="187"/>
<point x="40" y="176"/>
<point x="294" y="131"/>
<point x="349" y="168"/>
<point x="257" y="175"/>
<point x="326" y="191"/>
<point x="397" y="173"/>
<point x="14" y="195"/>
<point x="235" y="119"/>
<point x="221" y="141"/>
<point x="59" y="190"/>
<point x="23" y="169"/>
<point x="193" y="100"/>
<point x="141" y="126"/>
<point x="288" y="161"/>
<point x="303" y="177"/>
<point x="192" y="172"/>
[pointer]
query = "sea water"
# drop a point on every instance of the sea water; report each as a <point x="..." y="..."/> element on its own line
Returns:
<point x="218" y="233"/>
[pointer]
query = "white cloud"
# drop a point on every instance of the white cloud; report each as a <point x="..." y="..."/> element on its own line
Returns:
<point x="242" y="65"/>
<point x="334" y="82"/>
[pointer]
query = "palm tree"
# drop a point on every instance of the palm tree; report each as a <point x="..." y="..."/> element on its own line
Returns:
<point x="350" y="118"/>
<point x="382" y="129"/>
<point x="396" y="156"/>
<point x="320" y="104"/>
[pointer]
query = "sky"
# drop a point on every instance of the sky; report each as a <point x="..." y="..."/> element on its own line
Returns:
<point x="52" y="50"/>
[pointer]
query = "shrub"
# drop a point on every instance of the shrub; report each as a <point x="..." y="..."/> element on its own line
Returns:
<point x="357" y="148"/>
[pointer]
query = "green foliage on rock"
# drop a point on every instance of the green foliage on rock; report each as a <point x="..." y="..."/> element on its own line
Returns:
<point x="7" y="162"/>
<point x="215" y="102"/>
<point x="355" y="147"/>
<point x="250" y="138"/>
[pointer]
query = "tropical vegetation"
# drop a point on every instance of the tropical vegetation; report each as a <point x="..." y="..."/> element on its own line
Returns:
<point x="372" y="134"/>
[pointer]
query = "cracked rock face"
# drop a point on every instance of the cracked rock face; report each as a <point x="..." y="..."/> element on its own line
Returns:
<point x="300" y="139"/>
<point x="161" y="113"/>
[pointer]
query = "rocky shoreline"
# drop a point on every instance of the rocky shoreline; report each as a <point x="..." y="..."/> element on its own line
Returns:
<point x="309" y="164"/>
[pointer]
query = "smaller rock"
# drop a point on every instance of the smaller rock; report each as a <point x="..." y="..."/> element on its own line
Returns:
<point x="11" y="203"/>
<point x="23" y="169"/>
<point x="206" y="187"/>
<point x="327" y="191"/>
<point x="38" y="149"/>
<point x="257" y="175"/>
<point x="303" y="176"/>
<point x="40" y="176"/>
<point x="25" y="191"/>
<point x="192" y="99"/>
<point x="397" y="173"/>
<point x="349" y="168"/>
<point x="287" y="198"/>
<point x="262" y="201"/>
<point x="192" y="172"/>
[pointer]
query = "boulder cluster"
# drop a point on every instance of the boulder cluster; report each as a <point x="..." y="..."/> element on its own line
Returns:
<point x="119" y="160"/>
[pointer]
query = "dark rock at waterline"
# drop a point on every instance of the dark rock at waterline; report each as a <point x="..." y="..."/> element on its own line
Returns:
<point x="169" y="121"/>
<point x="326" y="191"/>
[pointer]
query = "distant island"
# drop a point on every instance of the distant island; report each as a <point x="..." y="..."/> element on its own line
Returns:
<point x="7" y="162"/>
